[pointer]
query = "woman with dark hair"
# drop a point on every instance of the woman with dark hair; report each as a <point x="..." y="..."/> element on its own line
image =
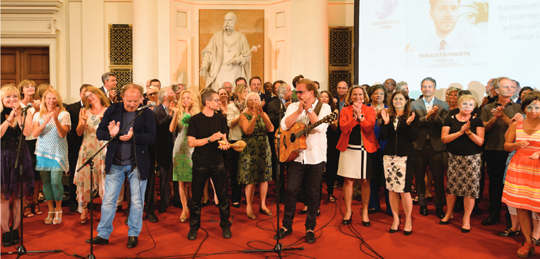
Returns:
<point x="400" y="129"/>
<point x="12" y="120"/>
<point x="89" y="118"/>
<point x="27" y="90"/>
<point x="224" y="100"/>
<point x="332" y="154"/>
<point x="523" y="92"/>
<point x="524" y="170"/>
<point x="358" y="145"/>
<point x="377" y="94"/>
<point x="464" y="135"/>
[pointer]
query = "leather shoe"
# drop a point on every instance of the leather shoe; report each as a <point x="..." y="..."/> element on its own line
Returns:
<point x="227" y="232"/>
<point x="162" y="209"/>
<point x="310" y="237"/>
<point x="407" y="233"/>
<point x="440" y="213"/>
<point x="236" y="204"/>
<point x="463" y="230"/>
<point x="477" y="209"/>
<point x="192" y="235"/>
<point x="366" y="223"/>
<point x="348" y="221"/>
<point x="423" y="210"/>
<point x="132" y="242"/>
<point x="283" y="233"/>
<point x="302" y="212"/>
<point x="15" y="236"/>
<point x="491" y="220"/>
<point x="98" y="241"/>
<point x="265" y="212"/>
<point x="6" y="239"/>
<point x="152" y="218"/>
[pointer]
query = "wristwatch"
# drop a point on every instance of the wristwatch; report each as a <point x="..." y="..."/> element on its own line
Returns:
<point x="310" y="110"/>
<point x="208" y="139"/>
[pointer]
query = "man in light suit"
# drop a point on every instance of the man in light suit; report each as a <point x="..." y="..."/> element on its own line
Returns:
<point x="430" y="149"/>
<point x="109" y="87"/>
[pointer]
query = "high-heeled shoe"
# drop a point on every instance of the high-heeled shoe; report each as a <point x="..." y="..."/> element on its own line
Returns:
<point x="366" y="223"/>
<point x="463" y="230"/>
<point x="526" y="250"/>
<point x="441" y="222"/>
<point x="407" y="233"/>
<point x="183" y="219"/>
<point x="57" y="219"/>
<point x="265" y="212"/>
<point x="394" y="230"/>
<point x="49" y="219"/>
<point x="348" y="221"/>
<point x="250" y="215"/>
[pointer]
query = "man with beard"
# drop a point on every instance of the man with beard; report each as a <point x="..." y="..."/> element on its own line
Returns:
<point x="227" y="56"/>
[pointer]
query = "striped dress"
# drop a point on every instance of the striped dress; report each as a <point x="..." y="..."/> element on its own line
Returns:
<point x="522" y="185"/>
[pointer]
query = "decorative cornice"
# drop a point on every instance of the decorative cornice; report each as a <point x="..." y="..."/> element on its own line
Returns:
<point x="30" y="6"/>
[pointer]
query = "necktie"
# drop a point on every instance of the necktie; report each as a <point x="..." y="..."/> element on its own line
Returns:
<point x="442" y="45"/>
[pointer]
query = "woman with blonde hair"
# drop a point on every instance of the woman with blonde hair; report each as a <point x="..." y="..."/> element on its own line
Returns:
<point x="89" y="118"/>
<point x="10" y="129"/>
<point x="255" y="163"/>
<point x="27" y="89"/>
<point x="152" y="93"/>
<point x="182" y="163"/>
<point x="51" y="125"/>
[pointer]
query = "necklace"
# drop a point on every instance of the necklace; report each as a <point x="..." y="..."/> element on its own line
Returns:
<point x="462" y="119"/>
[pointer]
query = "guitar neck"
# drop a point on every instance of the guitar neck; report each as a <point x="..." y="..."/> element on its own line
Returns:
<point x="307" y="129"/>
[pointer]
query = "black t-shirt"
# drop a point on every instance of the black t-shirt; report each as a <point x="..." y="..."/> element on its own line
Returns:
<point x="463" y="145"/>
<point x="355" y="138"/>
<point x="202" y="127"/>
<point x="124" y="153"/>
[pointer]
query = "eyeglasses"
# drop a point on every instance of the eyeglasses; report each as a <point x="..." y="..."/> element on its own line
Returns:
<point x="216" y="100"/>
<point x="89" y="94"/>
<point x="300" y="92"/>
<point x="152" y="94"/>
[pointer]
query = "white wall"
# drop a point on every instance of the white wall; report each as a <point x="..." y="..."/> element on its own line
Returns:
<point x="79" y="52"/>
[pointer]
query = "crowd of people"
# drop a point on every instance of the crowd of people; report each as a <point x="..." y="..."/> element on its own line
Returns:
<point x="383" y="141"/>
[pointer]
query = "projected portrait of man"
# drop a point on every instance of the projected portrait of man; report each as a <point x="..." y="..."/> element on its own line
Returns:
<point x="450" y="33"/>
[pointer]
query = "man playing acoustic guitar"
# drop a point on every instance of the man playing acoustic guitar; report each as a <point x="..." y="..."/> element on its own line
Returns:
<point x="311" y="162"/>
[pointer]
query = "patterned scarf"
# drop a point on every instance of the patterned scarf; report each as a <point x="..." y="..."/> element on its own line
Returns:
<point x="240" y="105"/>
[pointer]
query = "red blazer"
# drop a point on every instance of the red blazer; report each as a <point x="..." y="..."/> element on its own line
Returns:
<point x="347" y="123"/>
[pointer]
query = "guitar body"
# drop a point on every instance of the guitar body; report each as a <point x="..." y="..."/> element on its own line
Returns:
<point x="290" y="145"/>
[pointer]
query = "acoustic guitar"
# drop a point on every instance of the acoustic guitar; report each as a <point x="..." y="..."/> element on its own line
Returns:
<point x="293" y="141"/>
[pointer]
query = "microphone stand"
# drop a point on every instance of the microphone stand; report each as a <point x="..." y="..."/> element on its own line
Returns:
<point x="21" y="250"/>
<point x="90" y="206"/>
<point x="278" y="248"/>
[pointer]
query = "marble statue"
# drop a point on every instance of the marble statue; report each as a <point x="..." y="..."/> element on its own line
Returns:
<point x="227" y="55"/>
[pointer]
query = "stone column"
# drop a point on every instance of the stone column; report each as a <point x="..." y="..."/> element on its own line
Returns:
<point x="310" y="27"/>
<point x="144" y="41"/>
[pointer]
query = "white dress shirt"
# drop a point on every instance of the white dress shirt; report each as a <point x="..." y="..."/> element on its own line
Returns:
<point x="316" y="139"/>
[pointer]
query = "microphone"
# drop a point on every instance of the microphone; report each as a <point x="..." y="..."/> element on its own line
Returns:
<point x="28" y="106"/>
<point x="150" y="104"/>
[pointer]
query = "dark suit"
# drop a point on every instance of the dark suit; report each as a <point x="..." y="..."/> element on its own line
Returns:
<point x="163" y="149"/>
<point x="267" y="99"/>
<point x="74" y="145"/>
<point x="118" y="97"/>
<point x="430" y="151"/>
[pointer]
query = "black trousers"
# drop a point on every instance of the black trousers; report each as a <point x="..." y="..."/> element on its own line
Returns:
<point x="165" y="178"/>
<point x="313" y="174"/>
<point x="73" y="157"/>
<point x="236" y="189"/>
<point x="496" y="163"/>
<point x="436" y="163"/>
<point x="219" y="177"/>
<point x="150" y="186"/>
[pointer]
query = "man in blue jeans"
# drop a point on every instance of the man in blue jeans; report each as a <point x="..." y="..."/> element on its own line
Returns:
<point x="127" y="156"/>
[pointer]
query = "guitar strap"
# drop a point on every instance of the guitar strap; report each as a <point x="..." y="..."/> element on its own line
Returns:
<point x="318" y="108"/>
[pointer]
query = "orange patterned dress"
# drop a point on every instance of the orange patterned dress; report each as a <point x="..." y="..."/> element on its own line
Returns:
<point x="522" y="185"/>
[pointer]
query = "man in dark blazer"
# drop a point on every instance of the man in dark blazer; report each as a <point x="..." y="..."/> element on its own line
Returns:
<point x="431" y="113"/>
<point x="74" y="144"/>
<point x="109" y="87"/>
<point x="276" y="110"/>
<point x="255" y="84"/>
<point x="126" y="158"/>
<point x="163" y="147"/>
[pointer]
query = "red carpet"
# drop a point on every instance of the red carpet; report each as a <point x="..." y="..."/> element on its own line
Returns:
<point x="429" y="240"/>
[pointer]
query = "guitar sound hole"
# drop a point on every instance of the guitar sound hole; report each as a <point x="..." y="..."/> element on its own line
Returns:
<point x="293" y="138"/>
